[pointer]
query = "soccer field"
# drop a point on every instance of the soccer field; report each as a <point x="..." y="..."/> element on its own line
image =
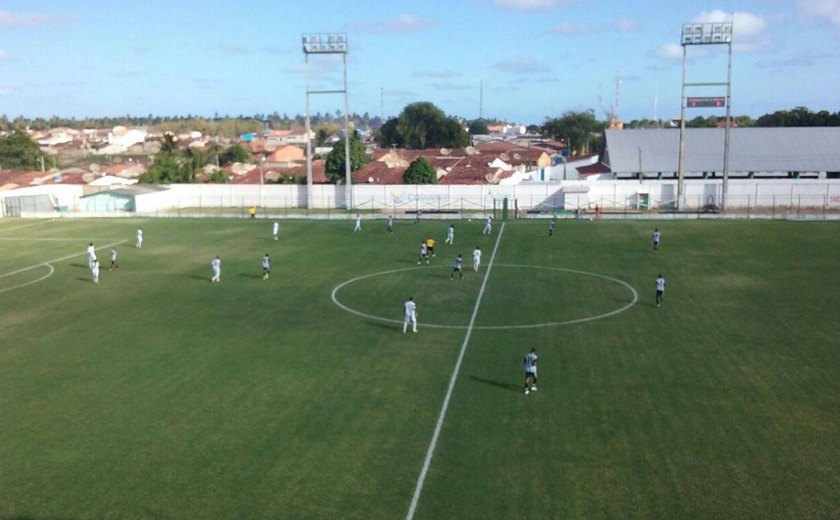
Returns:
<point x="157" y="394"/>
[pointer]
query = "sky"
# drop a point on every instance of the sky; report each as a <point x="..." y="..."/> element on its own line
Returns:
<point x="520" y="61"/>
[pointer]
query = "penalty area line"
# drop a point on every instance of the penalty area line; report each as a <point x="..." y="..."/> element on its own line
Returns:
<point x="445" y="406"/>
<point x="47" y="264"/>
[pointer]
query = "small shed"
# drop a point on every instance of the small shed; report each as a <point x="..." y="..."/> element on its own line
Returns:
<point x="116" y="200"/>
<point x="110" y="201"/>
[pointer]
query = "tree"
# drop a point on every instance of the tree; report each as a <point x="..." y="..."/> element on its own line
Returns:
<point x="478" y="127"/>
<point x="451" y="135"/>
<point x="335" y="168"/>
<point x="701" y="122"/>
<point x="193" y="161"/>
<point x="234" y="154"/>
<point x="420" y="172"/>
<point x="18" y="151"/>
<point x="388" y="135"/>
<point x="321" y="136"/>
<point x="799" y="116"/>
<point x="164" y="170"/>
<point x="422" y="125"/>
<point x="168" y="143"/>
<point x="579" y="127"/>
<point x="218" y="177"/>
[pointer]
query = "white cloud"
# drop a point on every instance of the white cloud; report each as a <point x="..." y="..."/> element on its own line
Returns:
<point x="747" y="31"/>
<point x="669" y="51"/>
<point x="434" y="74"/>
<point x="530" y="4"/>
<point x="828" y="9"/>
<point x="8" y="19"/>
<point x="5" y="56"/>
<point x="744" y="25"/>
<point x="520" y="66"/>
<point x="451" y="86"/>
<point x="627" y="24"/>
<point x="808" y="58"/>
<point x="232" y="50"/>
<point x="570" y="28"/>
<point x="401" y="24"/>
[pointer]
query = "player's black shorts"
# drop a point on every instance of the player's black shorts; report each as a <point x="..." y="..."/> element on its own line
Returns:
<point x="659" y="293"/>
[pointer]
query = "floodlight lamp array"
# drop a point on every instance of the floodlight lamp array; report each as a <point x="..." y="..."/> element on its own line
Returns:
<point x="324" y="44"/>
<point x="706" y="33"/>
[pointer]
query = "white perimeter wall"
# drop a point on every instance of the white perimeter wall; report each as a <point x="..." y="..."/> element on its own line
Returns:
<point x="570" y="195"/>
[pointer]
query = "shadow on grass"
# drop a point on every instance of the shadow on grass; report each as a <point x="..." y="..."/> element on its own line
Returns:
<point x="84" y="279"/>
<point x="199" y="277"/>
<point x="505" y="386"/>
<point x="83" y="266"/>
<point x="249" y="275"/>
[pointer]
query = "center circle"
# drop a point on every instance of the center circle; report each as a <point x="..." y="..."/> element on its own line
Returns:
<point x="627" y="305"/>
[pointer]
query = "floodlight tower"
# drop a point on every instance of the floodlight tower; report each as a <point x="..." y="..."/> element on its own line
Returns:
<point x="328" y="43"/>
<point x="706" y="34"/>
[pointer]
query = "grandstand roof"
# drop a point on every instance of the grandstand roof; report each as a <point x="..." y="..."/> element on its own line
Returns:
<point x="801" y="149"/>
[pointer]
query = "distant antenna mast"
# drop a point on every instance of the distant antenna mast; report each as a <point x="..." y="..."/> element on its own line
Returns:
<point x="601" y="100"/>
<point x="656" y="103"/>
<point x="617" y="94"/>
<point x="481" y="100"/>
<point x="382" y="104"/>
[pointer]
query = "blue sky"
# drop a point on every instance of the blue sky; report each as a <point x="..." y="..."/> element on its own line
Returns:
<point x="534" y="58"/>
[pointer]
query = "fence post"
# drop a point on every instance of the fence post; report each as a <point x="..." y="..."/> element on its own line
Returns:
<point x="748" y="206"/>
<point x="773" y="209"/>
<point x="798" y="205"/>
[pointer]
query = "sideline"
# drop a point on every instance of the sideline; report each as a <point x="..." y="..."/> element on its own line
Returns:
<point x="442" y="415"/>
<point x="22" y="226"/>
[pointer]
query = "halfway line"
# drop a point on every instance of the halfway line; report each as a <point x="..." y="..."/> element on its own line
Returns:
<point x="430" y="452"/>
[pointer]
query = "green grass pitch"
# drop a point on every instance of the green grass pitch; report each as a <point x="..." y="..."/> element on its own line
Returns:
<point x="156" y="394"/>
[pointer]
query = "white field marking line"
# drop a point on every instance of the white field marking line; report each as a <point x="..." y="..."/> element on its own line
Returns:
<point x="492" y="327"/>
<point x="44" y="239"/>
<point x="50" y="273"/>
<point x="28" y="225"/>
<point x="63" y="258"/>
<point x="442" y="415"/>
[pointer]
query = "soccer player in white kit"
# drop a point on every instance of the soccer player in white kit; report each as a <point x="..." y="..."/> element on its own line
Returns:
<point x="456" y="268"/>
<point x="358" y="226"/>
<point x="94" y="270"/>
<point x="660" y="290"/>
<point x="139" y="242"/>
<point x="216" y="264"/>
<point x="390" y="228"/>
<point x="91" y="253"/>
<point x="275" y="229"/>
<point x="476" y="258"/>
<point x="113" y="259"/>
<point x="488" y="225"/>
<point x="656" y="237"/>
<point x="531" y="371"/>
<point x="424" y="253"/>
<point x="410" y="315"/>
<point x="450" y="235"/>
<point x="266" y="265"/>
